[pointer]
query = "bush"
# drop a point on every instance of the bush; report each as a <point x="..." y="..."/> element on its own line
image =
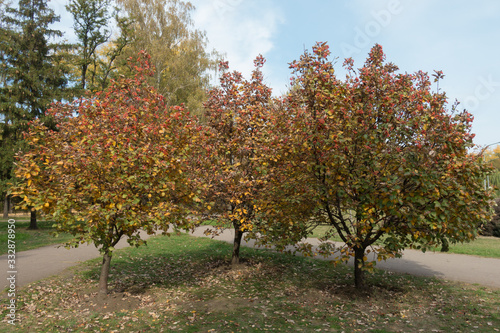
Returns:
<point x="492" y="228"/>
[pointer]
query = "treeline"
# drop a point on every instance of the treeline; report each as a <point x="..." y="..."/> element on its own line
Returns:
<point x="377" y="157"/>
<point x="39" y="67"/>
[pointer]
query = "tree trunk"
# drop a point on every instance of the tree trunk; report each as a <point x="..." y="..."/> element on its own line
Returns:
<point x="103" y="278"/>
<point x="84" y="75"/>
<point x="359" y="273"/>
<point x="33" y="225"/>
<point x="6" y="206"/>
<point x="236" y="246"/>
<point x="445" y="245"/>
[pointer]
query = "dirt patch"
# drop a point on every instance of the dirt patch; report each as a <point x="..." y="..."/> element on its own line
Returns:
<point x="113" y="302"/>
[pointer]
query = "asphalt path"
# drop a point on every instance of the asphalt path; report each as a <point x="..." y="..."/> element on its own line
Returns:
<point x="446" y="266"/>
<point x="43" y="262"/>
<point x="37" y="264"/>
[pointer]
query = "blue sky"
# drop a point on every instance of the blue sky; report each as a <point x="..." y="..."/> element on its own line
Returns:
<point x="459" y="37"/>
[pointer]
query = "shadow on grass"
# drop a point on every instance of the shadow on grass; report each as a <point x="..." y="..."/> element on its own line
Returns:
<point x="184" y="261"/>
<point x="184" y="283"/>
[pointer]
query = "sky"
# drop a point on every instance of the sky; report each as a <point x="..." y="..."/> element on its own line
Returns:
<point x="459" y="37"/>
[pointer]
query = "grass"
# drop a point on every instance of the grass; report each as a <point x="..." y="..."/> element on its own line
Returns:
<point x="320" y="231"/>
<point x="216" y="223"/>
<point x="30" y="239"/>
<point x="182" y="283"/>
<point x="482" y="246"/>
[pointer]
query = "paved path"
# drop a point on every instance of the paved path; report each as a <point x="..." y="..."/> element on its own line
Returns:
<point x="447" y="266"/>
<point x="43" y="262"/>
<point x="33" y="265"/>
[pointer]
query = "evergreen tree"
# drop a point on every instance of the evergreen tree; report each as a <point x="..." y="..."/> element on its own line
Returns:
<point x="32" y="74"/>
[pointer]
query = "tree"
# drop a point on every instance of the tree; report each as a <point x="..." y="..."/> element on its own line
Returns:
<point x="235" y="114"/>
<point x="91" y="18"/>
<point x="97" y="50"/>
<point x="116" y="168"/>
<point x="164" y="29"/>
<point x="5" y="157"/>
<point x="377" y="157"/>
<point x="32" y="75"/>
<point x="105" y="67"/>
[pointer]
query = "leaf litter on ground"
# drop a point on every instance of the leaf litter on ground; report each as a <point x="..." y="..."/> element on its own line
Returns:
<point x="187" y="284"/>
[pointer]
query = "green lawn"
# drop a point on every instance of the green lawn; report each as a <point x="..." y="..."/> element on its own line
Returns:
<point x="482" y="246"/>
<point x="29" y="239"/>
<point x="185" y="284"/>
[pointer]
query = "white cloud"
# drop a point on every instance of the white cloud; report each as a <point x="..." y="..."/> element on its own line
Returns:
<point x="239" y="29"/>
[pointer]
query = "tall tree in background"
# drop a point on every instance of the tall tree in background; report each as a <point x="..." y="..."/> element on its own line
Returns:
<point x="492" y="155"/>
<point x="91" y="19"/>
<point x="165" y="30"/>
<point x="97" y="50"/>
<point x="5" y="158"/>
<point x="33" y="76"/>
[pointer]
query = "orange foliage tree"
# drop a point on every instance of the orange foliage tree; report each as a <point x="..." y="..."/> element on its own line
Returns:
<point x="235" y="115"/>
<point x="114" y="166"/>
<point x="377" y="157"/>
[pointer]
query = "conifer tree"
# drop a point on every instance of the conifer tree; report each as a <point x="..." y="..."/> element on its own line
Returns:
<point x="32" y="75"/>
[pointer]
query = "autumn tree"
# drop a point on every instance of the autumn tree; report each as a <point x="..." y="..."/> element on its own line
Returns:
<point x="114" y="166"/>
<point x="164" y="29"/>
<point x="379" y="158"/>
<point x="235" y="114"/>
<point x="33" y="75"/>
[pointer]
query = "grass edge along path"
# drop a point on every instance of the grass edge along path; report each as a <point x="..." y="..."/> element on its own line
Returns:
<point x="488" y="247"/>
<point x="30" y="239"/>
<point x="184" y="283"/>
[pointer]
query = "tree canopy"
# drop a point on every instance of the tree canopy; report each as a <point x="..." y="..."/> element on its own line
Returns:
<point x="164" y="29"/>
<point x="115" y="165"/>
<point x="91" y="19"/>
<point x="32" y="71"/>
<point x="235" y="115"/>
<point x="379" y="158"/>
